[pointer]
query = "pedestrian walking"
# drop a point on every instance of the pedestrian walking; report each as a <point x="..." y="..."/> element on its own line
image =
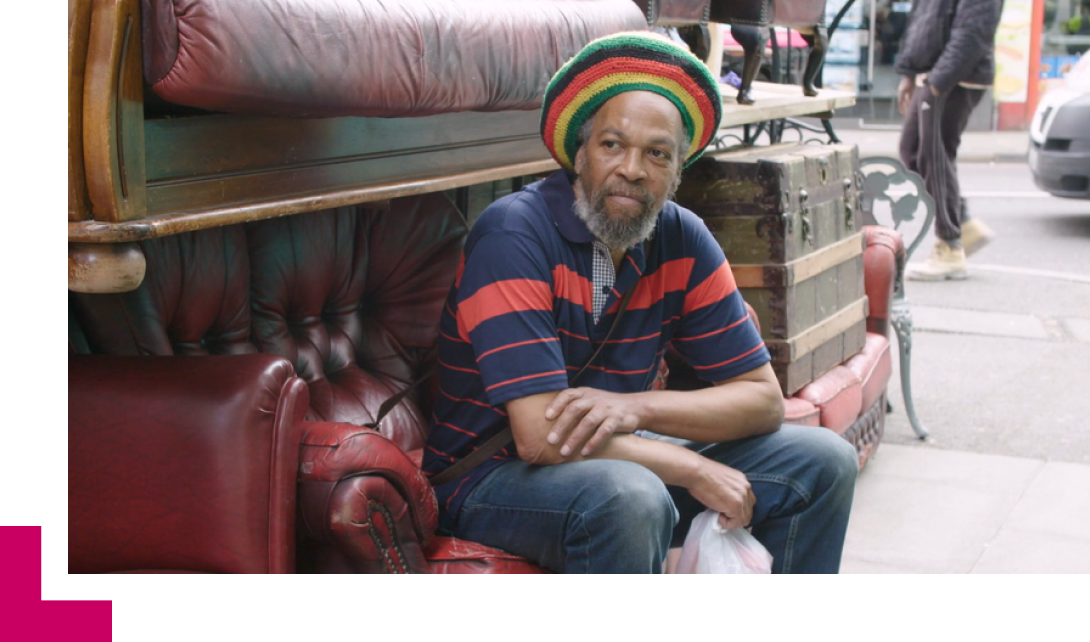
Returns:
<point x="946" y="63"/>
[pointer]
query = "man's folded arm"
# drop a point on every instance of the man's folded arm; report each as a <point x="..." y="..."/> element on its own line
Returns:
<point x="743" y="406"/>
<point x="673" y="464"/>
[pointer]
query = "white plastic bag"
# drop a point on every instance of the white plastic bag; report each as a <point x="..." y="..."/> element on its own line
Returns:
<point x="710" y="548"/>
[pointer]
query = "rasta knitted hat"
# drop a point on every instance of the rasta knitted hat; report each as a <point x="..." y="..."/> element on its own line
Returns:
<point x="629" y="61"/>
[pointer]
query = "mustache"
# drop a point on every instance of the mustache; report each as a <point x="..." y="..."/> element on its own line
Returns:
<point x="628" y="191"/>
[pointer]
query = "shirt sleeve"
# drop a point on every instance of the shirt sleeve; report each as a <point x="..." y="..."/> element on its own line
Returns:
<point x="715" y="334"/>
<point x="505" y="310"/>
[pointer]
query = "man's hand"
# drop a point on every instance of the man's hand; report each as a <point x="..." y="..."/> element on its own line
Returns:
<point x="724" y="489"/>
<point x="934" y="91"/>
<point x="586" y="417"/>
<point x="904" y="93"/>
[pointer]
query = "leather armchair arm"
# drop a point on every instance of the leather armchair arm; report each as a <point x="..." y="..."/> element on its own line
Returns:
<point x="363" y="495"/>
<point x="182" y="463"/>
<point x="883" y="261"/>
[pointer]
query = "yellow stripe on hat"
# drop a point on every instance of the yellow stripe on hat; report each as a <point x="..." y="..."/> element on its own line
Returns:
<point x="563" y="122"/>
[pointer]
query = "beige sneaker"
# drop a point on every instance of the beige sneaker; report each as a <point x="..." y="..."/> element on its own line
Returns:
<point x="945" y="263"/>
<point x="975" y="235"/>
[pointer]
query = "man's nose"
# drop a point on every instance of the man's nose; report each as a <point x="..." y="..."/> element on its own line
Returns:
<point x="632" y="165"/>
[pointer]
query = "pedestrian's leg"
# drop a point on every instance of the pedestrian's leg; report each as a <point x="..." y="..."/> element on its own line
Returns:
<point x="804" y="481"/>
<point x="975" y="234"/>
<point x="596" y="516"/>
<point x="956" y="111"/>
<point x="934" y="165"/>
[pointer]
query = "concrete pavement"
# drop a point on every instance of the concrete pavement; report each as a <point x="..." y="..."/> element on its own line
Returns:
<point x="999" y="369"/>
<point x="925" y="510"/>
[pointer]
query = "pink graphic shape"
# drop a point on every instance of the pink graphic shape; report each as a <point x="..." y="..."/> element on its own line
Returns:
<point x="23" y="613"/>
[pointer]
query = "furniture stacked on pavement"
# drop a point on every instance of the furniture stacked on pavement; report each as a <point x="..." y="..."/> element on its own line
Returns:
<point x="261" y="238"/>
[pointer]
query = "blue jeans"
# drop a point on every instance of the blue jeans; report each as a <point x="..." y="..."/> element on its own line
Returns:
<point x="605" y="516"/>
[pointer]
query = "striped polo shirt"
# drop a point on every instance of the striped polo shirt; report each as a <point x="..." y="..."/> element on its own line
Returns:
<point x="519" y="319"/>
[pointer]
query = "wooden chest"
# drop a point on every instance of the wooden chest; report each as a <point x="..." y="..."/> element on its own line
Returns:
<point x="787" y="218"/>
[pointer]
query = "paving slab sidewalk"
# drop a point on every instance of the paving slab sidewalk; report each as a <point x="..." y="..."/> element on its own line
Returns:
<point x="925" y="510"/>
<point x="976" y="147"/>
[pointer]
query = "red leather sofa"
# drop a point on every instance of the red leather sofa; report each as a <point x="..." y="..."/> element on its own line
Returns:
<point x="348" y="301"/>
<point x="218" y="412"/>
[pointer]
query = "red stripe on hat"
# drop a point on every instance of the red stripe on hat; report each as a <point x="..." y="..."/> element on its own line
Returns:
<point x="626" y="64"/>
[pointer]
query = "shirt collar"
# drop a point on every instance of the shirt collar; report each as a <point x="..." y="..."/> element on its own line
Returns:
<point x="559" y="195"/>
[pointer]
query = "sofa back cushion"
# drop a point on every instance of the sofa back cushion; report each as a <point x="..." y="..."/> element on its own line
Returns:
<point x="194" y="300"/>
<point x="351" y="297"/>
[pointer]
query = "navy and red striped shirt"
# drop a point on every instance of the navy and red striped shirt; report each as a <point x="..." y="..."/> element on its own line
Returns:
<point x="519" y="319"/>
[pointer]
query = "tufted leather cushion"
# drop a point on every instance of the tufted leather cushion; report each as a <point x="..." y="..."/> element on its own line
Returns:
<point x="349" y="58"/>
<point x="352" y="297"/>
<point x="883" y="258"/>
<point x="838" y="395"/>
<point x="800" y="412"/>
<point x="873" y="367"/>
<point x="447" y="555"/>
<point x="182" y="464"/>
<point x="194" y="300"/>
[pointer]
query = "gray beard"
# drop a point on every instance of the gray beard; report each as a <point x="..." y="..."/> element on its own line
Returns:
<point x="618" y="234"/>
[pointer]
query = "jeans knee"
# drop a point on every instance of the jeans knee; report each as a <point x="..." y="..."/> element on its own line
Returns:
<point x="835" y="460"/>
<point x="633" y="497"/>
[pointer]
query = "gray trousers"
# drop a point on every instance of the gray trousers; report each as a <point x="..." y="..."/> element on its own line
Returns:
<point x="929" y="146"/>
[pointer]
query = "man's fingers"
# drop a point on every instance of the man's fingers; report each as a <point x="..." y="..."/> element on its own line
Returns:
<point x="561" y="401"/>
<point x="568" y="419"/>
<point x="582" y="432"/>
<point x="604" y="432"/>
<point x="731" y="523"/>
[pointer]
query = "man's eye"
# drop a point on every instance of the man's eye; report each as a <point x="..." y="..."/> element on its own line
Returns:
<point x="659" y="154"/>
<point x="609" y="144"/>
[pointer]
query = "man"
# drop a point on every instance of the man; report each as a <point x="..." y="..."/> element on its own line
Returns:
<point x="946" y="62"/>
<point x="543" y="270"/>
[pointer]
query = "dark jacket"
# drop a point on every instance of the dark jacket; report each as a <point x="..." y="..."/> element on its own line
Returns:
<point x="952" y="40"/>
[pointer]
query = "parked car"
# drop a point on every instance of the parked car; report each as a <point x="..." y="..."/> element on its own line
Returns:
<point x="1059" y="153"/>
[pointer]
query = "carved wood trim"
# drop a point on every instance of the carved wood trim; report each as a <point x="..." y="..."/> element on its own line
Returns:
<point x="79" y="26"/>
<point x="97" y="232"/>
<point x="113" y="113"/>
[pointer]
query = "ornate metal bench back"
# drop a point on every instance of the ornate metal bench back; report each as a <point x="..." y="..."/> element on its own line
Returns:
<point x="895" y="197"/>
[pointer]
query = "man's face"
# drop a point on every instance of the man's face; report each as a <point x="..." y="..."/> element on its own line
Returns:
<point x="628" y="167"/>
